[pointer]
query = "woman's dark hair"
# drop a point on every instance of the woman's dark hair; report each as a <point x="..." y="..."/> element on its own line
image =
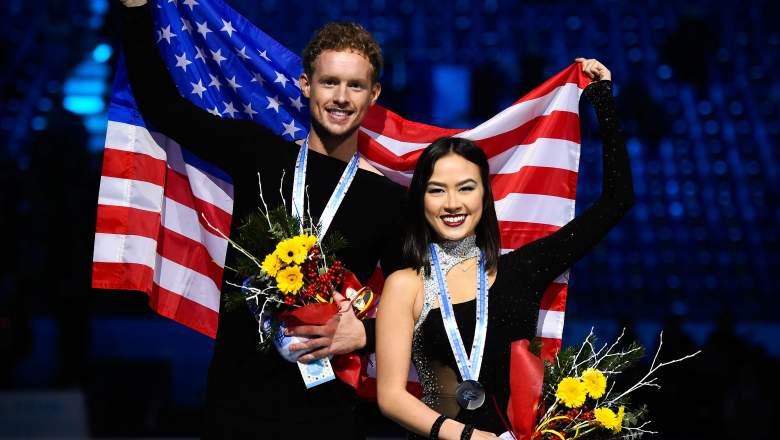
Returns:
<point x="419" y="233"/>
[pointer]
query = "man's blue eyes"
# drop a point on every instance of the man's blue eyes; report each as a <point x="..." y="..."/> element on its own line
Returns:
<point x="335" y="83"/>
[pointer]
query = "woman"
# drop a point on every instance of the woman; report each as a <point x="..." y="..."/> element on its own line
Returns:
<point x="451" y="205"/>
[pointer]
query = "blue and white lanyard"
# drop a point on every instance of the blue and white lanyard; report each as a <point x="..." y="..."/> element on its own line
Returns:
<point x="299" y="189"/>
<point x="469" y="367"/>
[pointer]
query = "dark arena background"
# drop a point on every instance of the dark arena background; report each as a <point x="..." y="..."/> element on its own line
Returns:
<point x="697" y="257"/>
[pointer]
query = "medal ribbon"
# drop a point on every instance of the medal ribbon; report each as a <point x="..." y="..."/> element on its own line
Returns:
<point x="469" y="367"/>
<point x="299" y="189"/>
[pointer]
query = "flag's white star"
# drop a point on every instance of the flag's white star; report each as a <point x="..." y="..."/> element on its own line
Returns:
<point x="290" y="129"/>
<point x="203" y="28"/>
<point x="200" y="54"/>
<point x="214" y="81"/>
<point x="296" y="103"/>
<point x="248" y="110"/>
<point x="217" y="56"/>
<point x="228" y="27"/>
<point x="256" y="77"/>
<point x="233" y="84"/>
<point x="242" y="53"/>
<point x="215" y="111"/>
<point x="229" y="109"/>
<point x="297" y="82"/>
<point x="182" y="61"/>
<point x="186" y="25"/>
<point x="264" y="54"/>
<point x="191" y="3"/>
<point x="273" y="103"/>
<point x="166" y="34"/>
<point x="198" y="89"/>
<point x="281" y="79"/>
<point x="174" y="2"/>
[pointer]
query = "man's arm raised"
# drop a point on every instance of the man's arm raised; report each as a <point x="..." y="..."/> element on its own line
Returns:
<point x="211" y="137"/>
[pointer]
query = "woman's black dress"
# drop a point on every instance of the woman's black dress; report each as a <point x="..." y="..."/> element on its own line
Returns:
<point x="523" y="275"/>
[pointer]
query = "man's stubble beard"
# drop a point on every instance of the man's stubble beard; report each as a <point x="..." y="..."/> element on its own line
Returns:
<point x="327" y="137"/>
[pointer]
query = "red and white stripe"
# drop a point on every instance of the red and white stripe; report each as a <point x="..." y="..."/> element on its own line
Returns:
<point x="151" y="235"/>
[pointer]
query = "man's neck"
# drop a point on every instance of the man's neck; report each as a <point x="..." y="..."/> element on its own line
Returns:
<point x="338" y="147"/>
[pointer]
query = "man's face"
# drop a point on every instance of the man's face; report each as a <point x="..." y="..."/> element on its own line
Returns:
<point x="340" y="92"/>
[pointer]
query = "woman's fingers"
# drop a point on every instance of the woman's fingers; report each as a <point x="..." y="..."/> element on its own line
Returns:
<point x="593" y="69"/>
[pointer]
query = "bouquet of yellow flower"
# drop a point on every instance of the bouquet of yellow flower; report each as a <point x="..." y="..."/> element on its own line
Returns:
<point x="297" y="270"/>
<point x="575" y="395"/>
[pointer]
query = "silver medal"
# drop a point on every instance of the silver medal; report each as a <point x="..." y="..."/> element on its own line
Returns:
<point x="470" y="394"/>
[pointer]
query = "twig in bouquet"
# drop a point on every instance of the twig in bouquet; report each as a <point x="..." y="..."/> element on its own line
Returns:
<point x="258" y="292"/>
<point x="609" y="391"/>
<point x="281" y="193"/>
<point x="639" y="429"/>
<point x="597" y="356"/>
<point x="265" y="213"/>
<point x="619" y="367"/>
<point x="551" y="410"/>
<point x="593" y="354"/>
<point x="232" y="243"/>
<point x="646" y="380"/>
<point x="611" y="347"/>
<point x="577" y="356"/>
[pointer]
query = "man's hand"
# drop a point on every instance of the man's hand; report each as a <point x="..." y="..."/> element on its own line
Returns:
<point x="343" y="333"/>
<point x="594" y="69"/>
<point x="133" y="3"/>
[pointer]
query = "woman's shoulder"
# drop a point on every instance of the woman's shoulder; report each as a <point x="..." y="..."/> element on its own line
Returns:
<point x="400" y="291"/>
<point x="402" y="282"/>
<point x="403" y="278"/>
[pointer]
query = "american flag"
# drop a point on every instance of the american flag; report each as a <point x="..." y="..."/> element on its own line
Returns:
<point x="153" y="194"/>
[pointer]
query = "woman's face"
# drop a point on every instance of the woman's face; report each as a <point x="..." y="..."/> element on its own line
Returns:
<point x="453" y="197"/>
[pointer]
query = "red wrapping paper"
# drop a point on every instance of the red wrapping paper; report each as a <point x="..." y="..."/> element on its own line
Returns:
<point x="526" y="376"/>
<point x="310" y="314"/>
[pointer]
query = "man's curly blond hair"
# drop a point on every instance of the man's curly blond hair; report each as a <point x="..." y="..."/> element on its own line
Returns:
<point x="343" y="36"/>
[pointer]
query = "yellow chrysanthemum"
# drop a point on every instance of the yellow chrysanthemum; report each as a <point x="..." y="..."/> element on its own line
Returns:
<point x="571" y="391"/>
<point x="291" y="251"/>
<point x="619" y="425"/>
<point x="595" y="382"/>
<point x="289" y="279"/>
<point x="271" y="264"/>
<point x="606" y="418"/>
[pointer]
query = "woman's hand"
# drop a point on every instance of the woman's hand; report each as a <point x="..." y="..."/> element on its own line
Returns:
<point x="133" y="3"/>
<point x="594" y="69"/>
<point x="482" y="435"/>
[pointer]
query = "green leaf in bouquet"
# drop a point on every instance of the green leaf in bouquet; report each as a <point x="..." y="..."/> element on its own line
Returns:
<point x="333" y="243"/>
<point x="283" y="225"/>
<point x="233" y="300"/>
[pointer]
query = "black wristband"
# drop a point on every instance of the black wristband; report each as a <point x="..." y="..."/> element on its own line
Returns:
<point x="466" y="433"/>
<point x="436" y="427"/>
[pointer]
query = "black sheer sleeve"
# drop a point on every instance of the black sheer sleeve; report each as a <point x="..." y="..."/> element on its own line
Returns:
<point x="225" y="142"/>
<point x="547" y="258"/>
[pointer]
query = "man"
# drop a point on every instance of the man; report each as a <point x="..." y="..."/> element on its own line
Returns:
<point x="253" y="394"/>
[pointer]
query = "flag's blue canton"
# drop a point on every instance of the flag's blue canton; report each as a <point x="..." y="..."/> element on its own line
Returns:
<point x="224" y="64"/>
